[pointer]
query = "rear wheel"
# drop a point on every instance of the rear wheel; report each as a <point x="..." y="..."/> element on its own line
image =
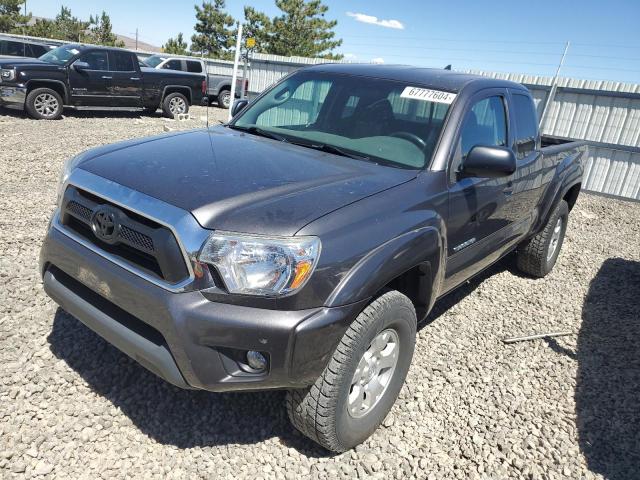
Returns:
<point x="538" y="255"/>
<point x="363" y="378"/>
<point x="44" y="104"/>
<point x="224" y="99"/>
<point x="175" y="104"/>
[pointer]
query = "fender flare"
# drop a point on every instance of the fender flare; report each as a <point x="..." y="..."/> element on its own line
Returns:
<point x="421" y="248"/>
<point x="569" y="174"/>
<point x="46" y="80"/>
<point x="180" y="89"/>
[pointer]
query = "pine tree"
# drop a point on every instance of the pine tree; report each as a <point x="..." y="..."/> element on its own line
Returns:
<point x="214" y="33"/>
<point x="176" y="46"/>
<point x="302" y="30"/>
<point x="64" y="27"/>
<point x="11" y="18"/>
<point x="100" y="31"/>
<point x="258" y="26"/>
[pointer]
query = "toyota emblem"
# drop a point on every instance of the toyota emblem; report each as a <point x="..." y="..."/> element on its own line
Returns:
<point x="104" y="223"/>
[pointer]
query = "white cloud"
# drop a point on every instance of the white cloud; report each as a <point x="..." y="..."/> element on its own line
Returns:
<point x="364" y="18"/>
<point x="377" y="60"/>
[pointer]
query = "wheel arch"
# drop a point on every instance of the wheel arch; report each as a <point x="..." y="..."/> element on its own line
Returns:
<point x="411" y="263"/>
<point x="169" y="89"/>
<point x="55" y="85"/>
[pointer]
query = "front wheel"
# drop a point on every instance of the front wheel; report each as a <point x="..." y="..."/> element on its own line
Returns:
<point x="360" y="384"/>
<point x="44" y="104"/>
<point x="538" y="255"/>
<point x="175" y="104"/>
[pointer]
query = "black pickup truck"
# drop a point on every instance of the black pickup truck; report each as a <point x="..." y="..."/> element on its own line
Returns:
<point x="298" y="246"/>
<point x="91" y="76"/>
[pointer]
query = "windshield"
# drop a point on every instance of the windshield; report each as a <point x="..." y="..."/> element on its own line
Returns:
<point x="380" y="120"/>
<point x="154" y="60"/>
<point x="60" y="55"/>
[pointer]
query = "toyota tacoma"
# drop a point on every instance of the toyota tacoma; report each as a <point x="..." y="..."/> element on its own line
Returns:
<point x="298" y="246"/>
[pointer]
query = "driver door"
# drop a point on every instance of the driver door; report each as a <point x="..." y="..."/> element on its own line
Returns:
<point x="480" y="216"/>
<point x="91" y="86"/>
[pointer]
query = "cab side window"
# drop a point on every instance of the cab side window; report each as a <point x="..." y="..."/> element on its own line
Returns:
<point x="97" y="60"/>
<point x="484" y="124"/>
<point x="526" y="125"/>
<point x="121" y="62"/>
<point x="173" y="65"/>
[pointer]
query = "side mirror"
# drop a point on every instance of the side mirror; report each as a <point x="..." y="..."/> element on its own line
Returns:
<point x="489" y="162"/>
<point x="238" y="105"/>
<point x="79" y="65"/>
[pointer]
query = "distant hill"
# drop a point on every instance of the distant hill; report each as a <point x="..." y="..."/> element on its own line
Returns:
<point x="130" y="43"/>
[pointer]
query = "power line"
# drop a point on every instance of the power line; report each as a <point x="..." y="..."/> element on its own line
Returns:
<point x="472" y="40"/>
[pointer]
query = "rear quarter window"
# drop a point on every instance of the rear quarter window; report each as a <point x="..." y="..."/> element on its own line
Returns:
<point x="526" y="124"/>
<point x="194" y="67"/>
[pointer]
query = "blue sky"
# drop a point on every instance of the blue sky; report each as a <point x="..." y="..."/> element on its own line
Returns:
<point x="499" y="35"/>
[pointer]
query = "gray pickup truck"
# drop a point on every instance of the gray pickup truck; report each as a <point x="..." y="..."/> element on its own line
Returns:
<point x="218" y="86"/>
<point x="299" y="246"/>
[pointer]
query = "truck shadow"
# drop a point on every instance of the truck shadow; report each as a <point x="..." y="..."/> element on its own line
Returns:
<point x="608" y="380"/>
<point x="170" y="415"/>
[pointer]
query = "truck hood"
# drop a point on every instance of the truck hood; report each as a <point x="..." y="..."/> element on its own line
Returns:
<point x="238" y="182"/>
<point x="20" y="62"/>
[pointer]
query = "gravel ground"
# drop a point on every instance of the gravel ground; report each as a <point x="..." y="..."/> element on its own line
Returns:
<point x="73" y="406"/>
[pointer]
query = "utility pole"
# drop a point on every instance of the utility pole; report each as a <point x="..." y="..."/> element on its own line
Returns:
<point x="136" y="38"/>
<point x="236" y="61"/>
<point x="24" y="32"/>
<point x="554" y="87"/>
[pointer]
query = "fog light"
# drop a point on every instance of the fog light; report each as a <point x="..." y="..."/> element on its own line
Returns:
<point x="256" y="360"/>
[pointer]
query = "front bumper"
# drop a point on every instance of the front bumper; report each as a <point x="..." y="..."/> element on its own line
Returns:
<point x="12" y="96"/>
<point x="183" y="337"/>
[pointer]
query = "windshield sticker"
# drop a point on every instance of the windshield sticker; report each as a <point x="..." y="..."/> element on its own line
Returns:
<point x="437" y="96"/>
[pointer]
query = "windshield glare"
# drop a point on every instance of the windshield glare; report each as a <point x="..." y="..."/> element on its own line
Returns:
<point x="153" y="61"/>
<point x="60" y="55"/>
<point x="366" y="116"/>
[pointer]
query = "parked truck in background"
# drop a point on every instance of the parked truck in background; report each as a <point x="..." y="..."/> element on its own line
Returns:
<point x="17" y="47"/>
<point x="218" y="86"/>
<point x="92" y="76"/>
<point x="299" y="246"/>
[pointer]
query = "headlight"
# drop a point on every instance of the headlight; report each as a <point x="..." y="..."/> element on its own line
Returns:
<point x="67" y="168"/>
<point x="255" y="265"/>
<point x="7" y="74"/>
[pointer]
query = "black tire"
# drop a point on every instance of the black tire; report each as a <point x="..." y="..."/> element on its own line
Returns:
<point x="224" y="98"/>
<point x="168" y="109"/>
<point x="44" y="104"/>
<point x="321" y="412"/>
<point x="534" y="257"/>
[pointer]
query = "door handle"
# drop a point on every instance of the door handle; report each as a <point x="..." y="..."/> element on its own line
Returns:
<point x="134" y="78"/>
<point x="106" y="77"/>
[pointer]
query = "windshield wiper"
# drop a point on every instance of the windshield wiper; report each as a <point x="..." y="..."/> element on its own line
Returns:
<point x="259" y="131"/>
<point x="325" y="147"/>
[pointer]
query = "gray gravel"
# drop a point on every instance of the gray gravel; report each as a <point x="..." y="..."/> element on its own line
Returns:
<point x="73" y="406"/>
